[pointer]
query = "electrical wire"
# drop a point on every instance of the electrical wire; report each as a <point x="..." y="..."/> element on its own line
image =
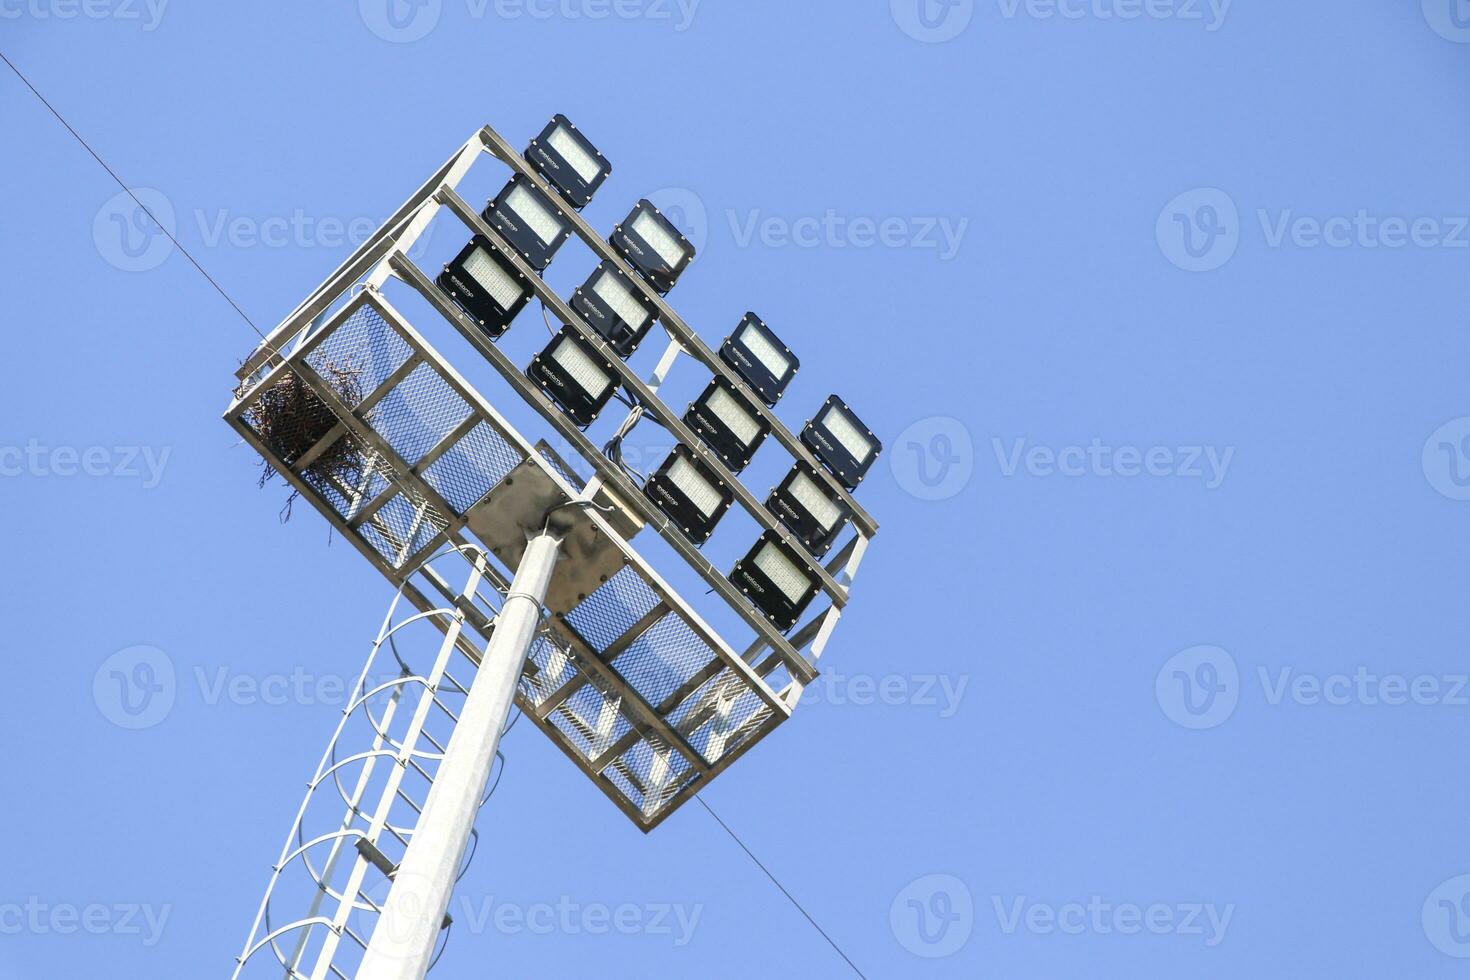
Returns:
<point x="791" y="898"/>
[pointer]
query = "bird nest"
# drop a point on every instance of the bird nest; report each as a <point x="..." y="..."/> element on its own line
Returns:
<point x="293" y="421"/>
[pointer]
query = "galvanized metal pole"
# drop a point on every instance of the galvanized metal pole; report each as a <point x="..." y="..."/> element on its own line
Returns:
<point x="402" y="945"/>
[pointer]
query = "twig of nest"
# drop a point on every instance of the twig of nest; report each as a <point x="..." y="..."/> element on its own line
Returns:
<point x="291" y="419"/>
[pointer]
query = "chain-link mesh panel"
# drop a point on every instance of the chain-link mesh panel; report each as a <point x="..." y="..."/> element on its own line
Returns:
<point x="650" y="774"/>
<point x="366" y="343"/>
<point x="353" y="484"/>
<point x="402" y="527"/>
<point x="663" y="659"/>
<point x="720" y="715"/>
<point x="548" y="668"/>
<point x="591" y="719"/>
<point x="613" y="608"/>
<point x="472" y="467"/>
<point x="418" y="413"/>
<point x="560" y="467"/>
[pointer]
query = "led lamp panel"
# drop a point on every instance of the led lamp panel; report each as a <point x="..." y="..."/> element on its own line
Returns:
<point x="775" y="579"/>
<point x="723" y="417"/>
<point x="808" y="509"/>
<point x="842" y="442"/>
<point x="760" y="358"/>
<point x="615" y="308"/>
<point x="693" y="497"/>
<point x="575" y="376"/>
<point x="568" y="161"/>
<point x="485" y="284"/>
<point x="528" y="221"/>
<point x="653" y="246"/>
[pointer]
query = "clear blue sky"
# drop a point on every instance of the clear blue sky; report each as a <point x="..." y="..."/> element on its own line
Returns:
<point x="1156" y="667"/>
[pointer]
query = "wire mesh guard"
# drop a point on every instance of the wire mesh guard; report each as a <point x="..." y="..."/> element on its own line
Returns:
<point x="397" y="451"/>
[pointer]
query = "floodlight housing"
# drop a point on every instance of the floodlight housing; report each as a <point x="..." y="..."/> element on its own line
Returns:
<point x="568" y="160"/>
<point x="693" y="497"/>
<point x="528" y="220"/>
<point x="615" y="308"/>
<point x="486" y="285"/>
<point x="575" y="375"/>
<point x="723" y="417"/>
<point x="653" y="245"/>
<point x="760" y="358"/>
<point x="776" y="581"/>
<point x="842" y="442"/>
<point x="809" y="509"/>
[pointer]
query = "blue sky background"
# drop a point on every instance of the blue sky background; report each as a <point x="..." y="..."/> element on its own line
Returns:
<point x="1168" y="603"/>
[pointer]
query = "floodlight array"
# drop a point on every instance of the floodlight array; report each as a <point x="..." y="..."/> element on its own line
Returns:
<point x="721" y="430"/>
<point x="414" y="495"/>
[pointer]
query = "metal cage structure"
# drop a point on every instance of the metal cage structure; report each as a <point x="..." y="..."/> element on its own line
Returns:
<point x="625" y="675"/>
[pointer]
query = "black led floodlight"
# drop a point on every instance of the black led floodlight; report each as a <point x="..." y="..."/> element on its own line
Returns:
<point x="774" y="578"/>
<point x="615" y="308"/>
<point x="758" y="356"/>
<point x="653" y="245"/>
<point x="693" y="497"/>
<point x="842" y="442"/>
<point x="811" y="511"/>
<point x="575" y="375"/>
<point x="568" y="160"/>
<point x="528" y="221"/>
<point x="724" y="419"/>
<point x="485" y="284"/>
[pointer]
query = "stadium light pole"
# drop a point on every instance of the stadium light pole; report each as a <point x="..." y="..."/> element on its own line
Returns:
<point x="365" y="419"/>
<point x="402" y="945"/>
